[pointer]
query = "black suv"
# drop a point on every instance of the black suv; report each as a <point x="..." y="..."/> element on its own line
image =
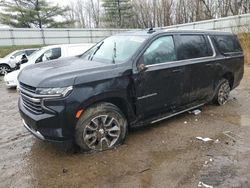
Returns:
<point x="128" y="80"/>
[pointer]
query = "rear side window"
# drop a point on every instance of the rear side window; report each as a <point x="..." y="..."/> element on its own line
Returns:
<point x="194" y="46"/>
<point x="160" y="51"/>
<point x="227" y="43"/>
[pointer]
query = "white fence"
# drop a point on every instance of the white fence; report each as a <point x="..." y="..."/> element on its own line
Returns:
<point x="235" y="24"/>
<point x="24" y="36"/>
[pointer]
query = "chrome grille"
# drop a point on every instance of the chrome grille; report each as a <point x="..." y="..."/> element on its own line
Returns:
<point x="30" y="102"/>
<point x="27" y="87"/>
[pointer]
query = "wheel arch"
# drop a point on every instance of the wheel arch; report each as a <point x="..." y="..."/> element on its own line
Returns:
<point x="5" y="65"/>
<point x="122" y="103"/>
<point x="230" y="77"/>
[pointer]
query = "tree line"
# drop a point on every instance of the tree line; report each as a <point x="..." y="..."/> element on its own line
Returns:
<point x="117" y="13"/>
<point x="151" y="13"/>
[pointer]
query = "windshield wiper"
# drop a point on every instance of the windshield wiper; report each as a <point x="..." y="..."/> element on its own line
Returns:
<point x="97" y="48"/>
<point x="114" y="53"/>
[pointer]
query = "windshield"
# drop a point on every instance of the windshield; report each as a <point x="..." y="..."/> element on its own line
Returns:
<point x="33" y="57"/>
<point x="34" y="54"/>
<point x="115" y="49"/>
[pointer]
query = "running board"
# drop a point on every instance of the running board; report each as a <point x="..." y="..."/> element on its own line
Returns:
<point x="169" y="116"/>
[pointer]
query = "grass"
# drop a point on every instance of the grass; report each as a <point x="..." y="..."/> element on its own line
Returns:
<point x="4" y="50"/>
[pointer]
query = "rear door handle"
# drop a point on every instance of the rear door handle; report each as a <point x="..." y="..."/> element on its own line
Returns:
<point x="209" y="65"/>
<point x="177" y="70"/>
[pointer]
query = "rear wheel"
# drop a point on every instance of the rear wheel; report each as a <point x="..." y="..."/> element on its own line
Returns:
<point x="222" y="93"/>
<point x="101" y="127"/>
<point x="4" y="69"/>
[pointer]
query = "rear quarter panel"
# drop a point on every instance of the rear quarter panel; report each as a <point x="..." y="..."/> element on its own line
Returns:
<point x="228" y="64"/>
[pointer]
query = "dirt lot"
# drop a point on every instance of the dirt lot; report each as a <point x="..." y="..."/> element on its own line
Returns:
<point x="163" y="155"/>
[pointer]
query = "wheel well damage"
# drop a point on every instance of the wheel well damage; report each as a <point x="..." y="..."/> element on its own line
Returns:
<point x="121" y="103"/>
<point x="230" y="77"/>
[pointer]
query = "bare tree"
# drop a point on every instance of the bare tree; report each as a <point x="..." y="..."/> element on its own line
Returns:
<point x="155" y="13"/>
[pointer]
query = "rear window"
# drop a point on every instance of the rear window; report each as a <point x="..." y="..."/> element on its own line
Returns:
<point x="227" y="43"/>
<point x="193" y="46"/>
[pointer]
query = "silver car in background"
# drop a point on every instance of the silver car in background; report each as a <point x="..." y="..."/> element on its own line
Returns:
<point x="8" y="63"/>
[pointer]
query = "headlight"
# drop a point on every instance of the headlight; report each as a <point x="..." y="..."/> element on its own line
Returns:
<point x="54" y="92"/>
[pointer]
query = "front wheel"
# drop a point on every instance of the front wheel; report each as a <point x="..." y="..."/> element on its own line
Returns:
<point x="4" y="69"/>
<point x="222" y="93"/>
<point x="101" y="127"/>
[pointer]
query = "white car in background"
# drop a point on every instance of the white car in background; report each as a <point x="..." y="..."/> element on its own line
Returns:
<point x="45" y="54"/>
<point x="8" y="63"/>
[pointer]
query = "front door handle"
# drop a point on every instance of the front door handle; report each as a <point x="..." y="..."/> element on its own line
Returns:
<point x="177" y="70"/>
<point x="209" y="65"/>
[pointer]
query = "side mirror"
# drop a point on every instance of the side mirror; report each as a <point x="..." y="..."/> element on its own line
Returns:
<point x="142" y="67"/>
<point x="12" y="57"/>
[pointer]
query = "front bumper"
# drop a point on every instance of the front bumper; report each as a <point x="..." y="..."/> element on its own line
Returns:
<point x="34" y="132"/>
<point x="51" y="126"/>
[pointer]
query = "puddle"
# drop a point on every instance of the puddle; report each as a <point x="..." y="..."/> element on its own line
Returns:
<point x="245" y="120"/>
<point x="241" y="120"/>
<point x="221" y="170"/>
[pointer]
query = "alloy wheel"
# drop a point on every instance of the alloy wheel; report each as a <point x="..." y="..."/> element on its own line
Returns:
<point x="3" y="70"/>
<point x="223" y="93"/>
<point x="102" y="132"/>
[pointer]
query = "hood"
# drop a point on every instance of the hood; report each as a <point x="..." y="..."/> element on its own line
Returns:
<point x="66" y="72"/>
<point x="4" y="60"/>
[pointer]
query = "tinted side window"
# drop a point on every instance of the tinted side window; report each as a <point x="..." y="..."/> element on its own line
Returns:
<point x="40" y="59"/>
<point x="193" y="46"/>
<point x="227" y="43"/>
<point x="29" y="52"/>
<point x="53" y="53"/>
<point x="50" y="54"/>
<point x="160" y="51"/>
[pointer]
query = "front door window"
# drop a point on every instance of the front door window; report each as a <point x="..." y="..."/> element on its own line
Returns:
<point x="162" y="50"/>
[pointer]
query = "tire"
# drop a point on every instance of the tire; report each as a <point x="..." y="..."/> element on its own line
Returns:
<point x="4" y="69"/>
<point x="102" y="126"/>
<point x="222" y="92"/>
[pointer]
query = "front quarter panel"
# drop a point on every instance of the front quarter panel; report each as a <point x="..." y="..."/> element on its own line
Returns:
<point x="86" y="94"/>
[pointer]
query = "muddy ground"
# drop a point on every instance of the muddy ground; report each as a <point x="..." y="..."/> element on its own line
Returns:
<point x="166" y="154"/>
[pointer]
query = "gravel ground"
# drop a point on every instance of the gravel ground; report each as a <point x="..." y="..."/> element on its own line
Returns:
<point x="166" y="154"/>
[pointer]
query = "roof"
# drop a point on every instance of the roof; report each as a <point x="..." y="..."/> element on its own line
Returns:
<point x="145" y="32"/>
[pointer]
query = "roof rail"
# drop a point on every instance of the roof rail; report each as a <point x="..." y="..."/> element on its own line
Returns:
<point x="151" y="30"/>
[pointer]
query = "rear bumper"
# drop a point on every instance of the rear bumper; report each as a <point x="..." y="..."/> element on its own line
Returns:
<point x="9" y="81"/>
<point x="10" y="85"/>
